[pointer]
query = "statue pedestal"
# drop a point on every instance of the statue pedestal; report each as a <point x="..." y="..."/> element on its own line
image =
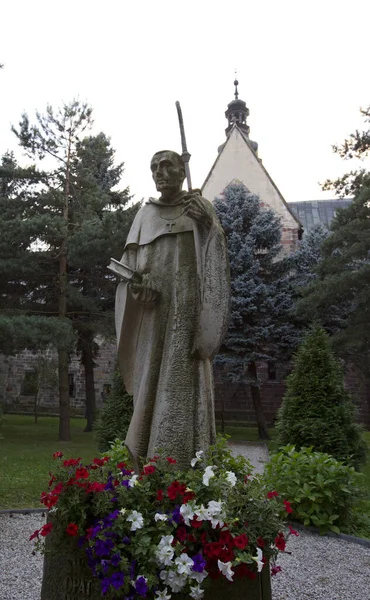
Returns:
<point x="67" y="576"/>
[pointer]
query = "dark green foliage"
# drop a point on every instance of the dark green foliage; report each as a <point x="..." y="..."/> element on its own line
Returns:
<point x="322" y="491"/>
<point x="317" y="411"/>
<point x="357" y="146"/>
<point x="115" y="416"/>
<point x="342" y="286"/>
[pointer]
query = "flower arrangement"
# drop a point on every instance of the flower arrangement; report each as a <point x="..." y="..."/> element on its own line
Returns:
<point x="165" y="531"/>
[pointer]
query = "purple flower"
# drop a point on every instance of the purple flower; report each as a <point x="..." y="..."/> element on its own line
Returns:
<point x="176" y="515"/>
<point x="95" y="530"/>
<point x="126" y="539"/>
<point x="141" y="586"/>
<point x="117" y="580"/>
<point x="125" y="482"/>
<point x="116" y="559"/>
<point x="105" y="565"/>
<point x="132" y="569"/>
<point x="103" y="547"/>
<point x="105" y="584"/>
<point x="199" y="563"/>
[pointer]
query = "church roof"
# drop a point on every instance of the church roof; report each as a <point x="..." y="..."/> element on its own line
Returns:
<point x="317" y="212"/>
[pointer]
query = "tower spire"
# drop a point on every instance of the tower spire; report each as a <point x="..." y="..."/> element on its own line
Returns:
<point x="236" y="114"/>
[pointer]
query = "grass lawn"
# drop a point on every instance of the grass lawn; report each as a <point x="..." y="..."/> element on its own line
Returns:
<point x="27" y="456"/>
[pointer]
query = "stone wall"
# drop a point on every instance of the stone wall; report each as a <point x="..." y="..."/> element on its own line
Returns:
<point x="236" y="402"/>
<point x="13" y="375"/>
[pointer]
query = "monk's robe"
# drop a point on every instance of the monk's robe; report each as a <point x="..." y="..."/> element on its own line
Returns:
<point x="165" y="348"/>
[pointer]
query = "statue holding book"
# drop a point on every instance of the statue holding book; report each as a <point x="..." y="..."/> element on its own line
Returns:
<point x="172" y="310"/>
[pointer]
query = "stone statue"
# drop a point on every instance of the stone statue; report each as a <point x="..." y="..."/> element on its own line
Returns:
<point x="172" y="316"/>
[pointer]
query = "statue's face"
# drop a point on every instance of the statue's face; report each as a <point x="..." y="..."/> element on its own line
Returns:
<point x="167" y="173"/>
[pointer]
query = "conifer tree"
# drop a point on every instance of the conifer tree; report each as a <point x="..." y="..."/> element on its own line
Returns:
<point x="115" y="417"/>
<point x="261" y="326"/>
<point x="317" y="410"/>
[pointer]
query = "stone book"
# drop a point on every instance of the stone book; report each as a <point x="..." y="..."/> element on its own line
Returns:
<point x="123" y="271"/>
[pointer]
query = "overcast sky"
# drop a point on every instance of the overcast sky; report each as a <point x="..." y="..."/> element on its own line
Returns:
<point x="303" y="69"/>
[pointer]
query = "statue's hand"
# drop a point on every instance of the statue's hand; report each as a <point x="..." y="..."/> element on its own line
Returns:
<point x="196" y="209"/>
<point x="145" y="292"/>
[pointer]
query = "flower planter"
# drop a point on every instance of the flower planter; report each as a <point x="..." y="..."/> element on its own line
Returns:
<point x="67" y="576"/>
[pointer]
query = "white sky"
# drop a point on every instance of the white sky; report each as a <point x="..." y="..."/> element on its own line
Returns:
<point x="303" y="69"/>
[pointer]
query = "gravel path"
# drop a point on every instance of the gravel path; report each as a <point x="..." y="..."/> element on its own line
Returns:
<point x="318" y="568"/>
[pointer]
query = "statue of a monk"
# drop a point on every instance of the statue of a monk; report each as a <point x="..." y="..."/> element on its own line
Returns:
<point x="171" y="324"/>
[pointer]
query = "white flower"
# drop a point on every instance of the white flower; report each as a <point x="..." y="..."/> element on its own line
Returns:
<point x="198" y="457"/>
<point x="133" y="481"/>
<point x="225" y="569"/>
<point x="122" y="511"/>
<point x="258" y="559"/>
<point x="162" y="595"/>
<point x="177" y="582"/>
<point x="202" y="513"/>
<point x="199" y="577"/>
<point x="208" y="474"/>
<point x="187" y="513"/>
<point x="196" y="592"/>
<point x="165" y="551"/>
<point x="166" y="576"/>
<point x="137" y="521"/>
<point x="166" y="540"/>
<point x="231" y="478"/>
<point x="215" y="513"/>
<point x="214" y="508"/>
<point x="160" y="517"/>
<point x="184" y="564"/>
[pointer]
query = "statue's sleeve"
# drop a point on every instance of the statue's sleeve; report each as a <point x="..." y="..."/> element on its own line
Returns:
<point x="215" y="293"/>
<point x="128" y="315"/>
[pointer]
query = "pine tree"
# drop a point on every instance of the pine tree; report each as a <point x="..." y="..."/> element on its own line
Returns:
<point x="317" y="411"/>
<point x="55" y="135"/>
<point x="115" y="417"/>
<point x="355" y="147"/>
<point x="21" y="327"/>
<point x="340" y="295"/>
<point x="262" y="307"/>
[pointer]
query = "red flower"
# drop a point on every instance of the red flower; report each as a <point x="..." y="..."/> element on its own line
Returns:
<point x="276" y="569"/>
<point x="95" y="487"/>
<point x="227" y="554"/>
<point x="226" y="538"/>
<point x="49" y="500"/>
<point x="273" y="494"/>
<point x="121" y="465"/>
<point x="241" y="541"/>
<point x="243" y="571"/>
<point x="181" y="534"/>
<point x="46" y="529"/>
<point x="172" y="461"/>
<point x="213" y="550"/>
<point x="99" y="462"/>
<point x="195" y="523"/>
<point x="204" y="537"/>
<point x="191" y="538"/>
<point x="159" y="495"/>
<point x="72" y="529"/>
<point x="260" y="542"/>
<point x="293" y="531"/>
<point x="81" y="473"/>
<point x="34" y="535"/>
<point x="72" y="462"/>
<point x="57" y="455"/>
<point x="175" y="489"/>
<point x="52" y="479"/>
<point x="149" y="469"/>
<point x="288" y="508"/>
<point x="187" y="497"/>
<point x="280" y="542"/>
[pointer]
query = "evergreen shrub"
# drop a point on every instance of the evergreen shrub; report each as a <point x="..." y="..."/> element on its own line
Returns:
<point x="115" y="416"/>
<point x="317" y="411"/>
<point x="322" y="491"/>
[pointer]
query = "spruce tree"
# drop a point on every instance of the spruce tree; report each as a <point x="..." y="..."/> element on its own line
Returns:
<point x="115" y="417"/>
<point x="317" y="411"/>
<point x="262" y="307"/>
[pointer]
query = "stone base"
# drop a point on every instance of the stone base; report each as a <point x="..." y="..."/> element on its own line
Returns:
<point x="67" y="576"/>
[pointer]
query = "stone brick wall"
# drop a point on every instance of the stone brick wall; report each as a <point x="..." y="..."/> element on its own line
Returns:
<point x="14" y="368"/>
